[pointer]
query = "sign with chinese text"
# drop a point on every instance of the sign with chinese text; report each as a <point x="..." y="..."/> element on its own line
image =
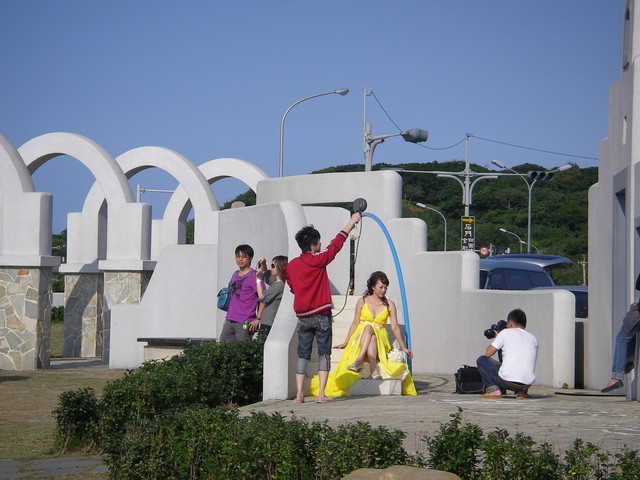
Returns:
<point x="468" y="233"/>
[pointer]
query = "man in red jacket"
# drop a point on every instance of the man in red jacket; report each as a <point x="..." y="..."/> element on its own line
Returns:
<point x="308" y="280"/>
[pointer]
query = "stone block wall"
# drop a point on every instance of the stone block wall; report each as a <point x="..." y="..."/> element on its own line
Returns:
<point x="25" y="317"/>
<point x="83" y="320"/>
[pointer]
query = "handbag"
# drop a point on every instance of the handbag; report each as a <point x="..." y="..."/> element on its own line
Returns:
<point x="224" y="298"/>
<point x="225" y="293"/>
<point x="397" y="355"/>
<point x="468" y="380"/>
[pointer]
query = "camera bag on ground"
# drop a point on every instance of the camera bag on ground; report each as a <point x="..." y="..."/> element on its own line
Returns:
<point x="468" y="380"/>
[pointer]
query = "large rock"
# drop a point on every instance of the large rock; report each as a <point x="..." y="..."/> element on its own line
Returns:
<point x="400" y="472"/>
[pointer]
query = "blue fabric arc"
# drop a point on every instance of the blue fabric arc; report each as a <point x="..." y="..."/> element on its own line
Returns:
<point x="403" y="292"/>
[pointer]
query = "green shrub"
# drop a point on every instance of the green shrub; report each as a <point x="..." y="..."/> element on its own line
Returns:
<point x="210" y="374"/>
<point x="627" y="466"/>
<point x="584" y="461"/>
<point x="517" y="458"/>
<point x="204" y="443"/>
<point x="77" y="419"/>
<point x="455" y="448"/>
<point x="353" y="446"/>
<point x="458" y="447"/>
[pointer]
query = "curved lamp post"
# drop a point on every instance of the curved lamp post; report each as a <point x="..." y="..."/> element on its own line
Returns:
<point x="422" y="205"/>
<point x="504" y="230"/>
<point x="415" y="135"/>
<point x="341" y="91"/>
<point x="535" y="177"/>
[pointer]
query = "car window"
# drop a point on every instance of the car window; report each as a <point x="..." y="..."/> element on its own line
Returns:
<point x="518" y="280"/>
<point x="539" y="279"/>
<point x="483" y="278"/>
<point x="497" y="280"/>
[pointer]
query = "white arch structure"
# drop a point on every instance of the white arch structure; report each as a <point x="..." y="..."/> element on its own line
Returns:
<point x="128" y="235"/>
<point x="170" y="230"/>
<point x="21" y="205"/>
<point x="85" y="229"/>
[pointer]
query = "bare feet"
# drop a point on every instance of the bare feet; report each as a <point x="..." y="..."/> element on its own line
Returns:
<point x="298" y="399"/>
<point x="494" y="394"/>
<point x="325" y="399"/>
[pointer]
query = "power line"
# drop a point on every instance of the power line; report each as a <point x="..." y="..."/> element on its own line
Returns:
<point x="481" y="138"/>
<point x="534" y="149"/>
<point x="385" y="112"/>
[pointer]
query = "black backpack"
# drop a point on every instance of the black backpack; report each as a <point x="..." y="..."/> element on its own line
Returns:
<point x="468" y="380"/>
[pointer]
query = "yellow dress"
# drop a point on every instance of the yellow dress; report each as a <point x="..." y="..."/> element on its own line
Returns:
<point x="339" y="381"/>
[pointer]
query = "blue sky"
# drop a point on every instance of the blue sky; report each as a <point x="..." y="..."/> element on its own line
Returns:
<point x="212" y="79"/>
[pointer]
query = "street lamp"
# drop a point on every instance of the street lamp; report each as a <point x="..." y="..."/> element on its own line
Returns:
<point x="463" y="178"/>
<point x="511" y="233"/>
<point x="415" y="135"/>
<point x="535" y="176"/>
<point x="342" y="91"/>
<point x="422" y="205"/>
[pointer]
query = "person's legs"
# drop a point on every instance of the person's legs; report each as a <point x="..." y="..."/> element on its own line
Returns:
<point x="488" y="368"/>
<point x="324" y="337"/>
<point x="623" y="356"/>
<point x="241" y="332"/>
<point x="372" y="353"/>
<point x="227" y="334"/>
<point x="625" y="348"/>
<point x="305" y="342"/>
<point x="299" y="385"/>
<point x="365" y="339"/>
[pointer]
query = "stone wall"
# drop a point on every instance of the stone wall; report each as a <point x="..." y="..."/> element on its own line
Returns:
<point x="83" y="315"/>
<point x="25" y="318"/>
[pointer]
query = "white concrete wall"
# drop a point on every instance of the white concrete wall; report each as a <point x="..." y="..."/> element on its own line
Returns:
<point x="179" y="302"/>
<point x="446" y="310"/>
<point x="614" y="217"/>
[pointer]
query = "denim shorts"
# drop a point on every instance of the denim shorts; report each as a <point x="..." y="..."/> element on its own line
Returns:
<point x="318" y="327"/>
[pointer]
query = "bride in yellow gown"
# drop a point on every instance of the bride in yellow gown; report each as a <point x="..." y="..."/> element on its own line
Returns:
<point x="368" y="342"/>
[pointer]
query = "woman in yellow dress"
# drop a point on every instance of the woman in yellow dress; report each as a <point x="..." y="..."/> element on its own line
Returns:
<point x="368" y="342"/>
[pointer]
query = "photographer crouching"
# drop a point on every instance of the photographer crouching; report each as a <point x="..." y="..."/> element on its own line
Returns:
<point x="518" y="353"/>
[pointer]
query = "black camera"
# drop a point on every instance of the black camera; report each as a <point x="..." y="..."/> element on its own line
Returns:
<point x="495" y="329"/>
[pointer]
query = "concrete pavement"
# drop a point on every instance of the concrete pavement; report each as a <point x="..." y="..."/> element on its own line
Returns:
<point x="89" y="467"/>
<point x="554" y="416"/>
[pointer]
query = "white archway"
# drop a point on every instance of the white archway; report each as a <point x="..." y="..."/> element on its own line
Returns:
<point x="129" y="223"/>
<point x="21" y="205"/>
<point x="85" y="229"/>
<point x="171" y="229"/>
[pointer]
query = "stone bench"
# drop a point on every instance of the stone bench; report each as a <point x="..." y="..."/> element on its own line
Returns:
<point x="162" y="348"/>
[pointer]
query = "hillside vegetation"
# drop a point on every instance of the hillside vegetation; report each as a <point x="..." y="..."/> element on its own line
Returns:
<point x="558" y="214"/>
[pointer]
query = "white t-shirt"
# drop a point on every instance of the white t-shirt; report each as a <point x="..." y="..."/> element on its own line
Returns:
<point x="519" y="355"/>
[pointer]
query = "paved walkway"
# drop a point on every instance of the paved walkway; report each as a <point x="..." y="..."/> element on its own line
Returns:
<point x="551" y="415"/>
<point x="89" y="466"/>
<point x="609" y="421"/>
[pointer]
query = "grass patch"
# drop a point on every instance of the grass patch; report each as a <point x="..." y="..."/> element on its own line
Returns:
<point x="57" y="337"/>
<point x="27" y="427"/>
